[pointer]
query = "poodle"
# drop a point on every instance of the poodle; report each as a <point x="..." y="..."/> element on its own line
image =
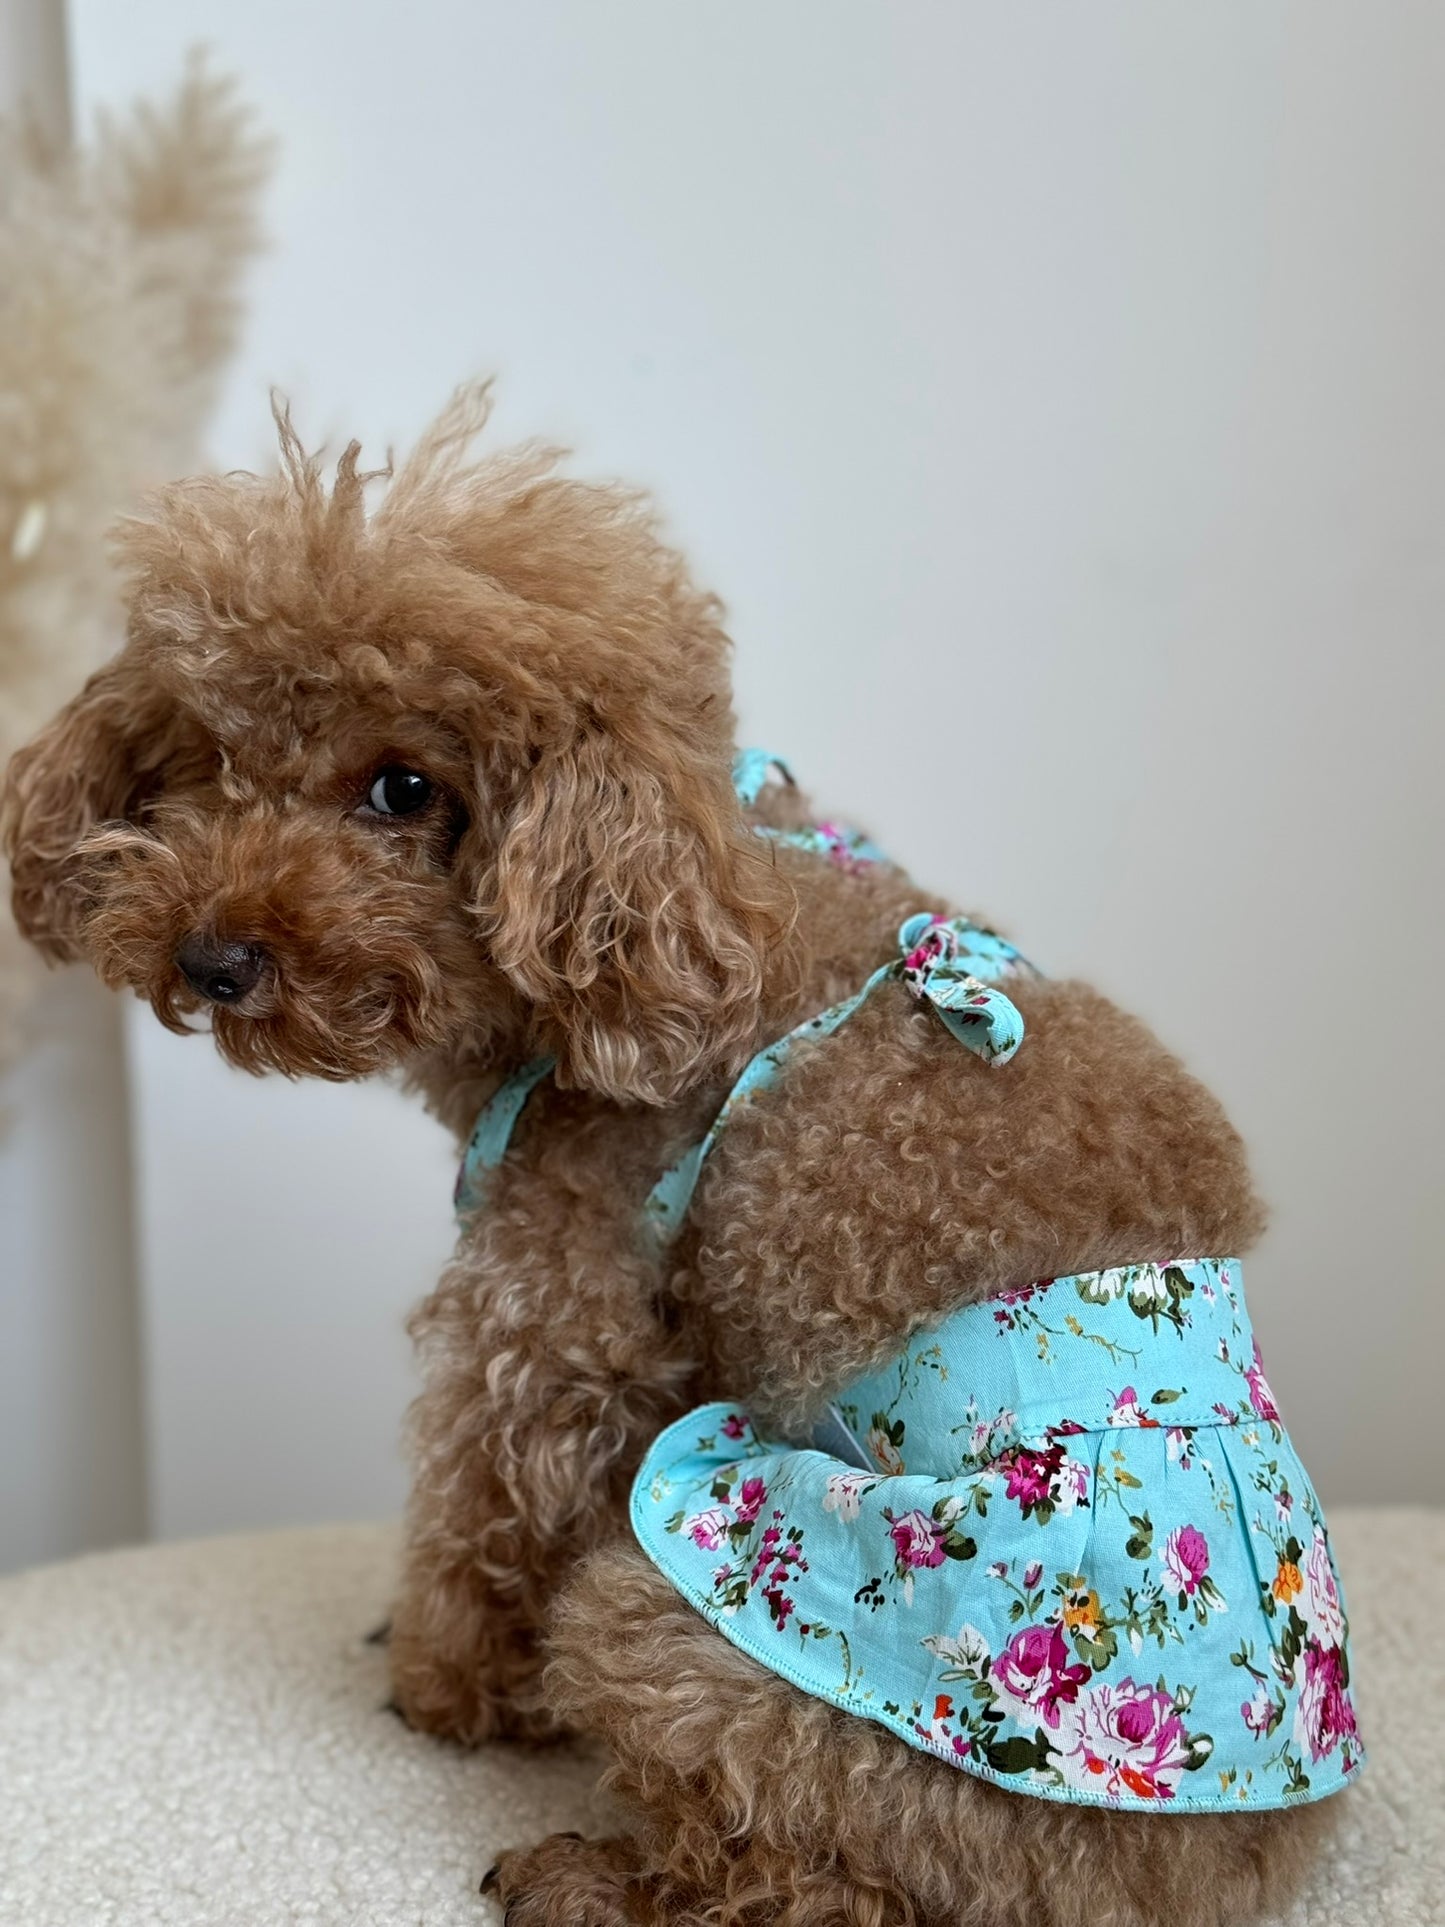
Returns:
<point x="443" y="786"/>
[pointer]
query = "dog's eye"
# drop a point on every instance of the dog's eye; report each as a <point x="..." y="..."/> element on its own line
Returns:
<point x="399" y="792"/>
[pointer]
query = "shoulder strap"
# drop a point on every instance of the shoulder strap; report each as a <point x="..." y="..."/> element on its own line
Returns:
<point x="670" y="1197"/>
<point x="750" y="772"/>
<point x="946" y="963"/>
<point x="492" y="1132"/>
<point x="839" y="842"/>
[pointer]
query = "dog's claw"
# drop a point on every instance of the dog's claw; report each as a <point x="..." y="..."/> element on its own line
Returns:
<point x="379" y="1635"/>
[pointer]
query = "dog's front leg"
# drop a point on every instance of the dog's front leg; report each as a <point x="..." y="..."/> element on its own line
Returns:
<point x="546" y="1373"/>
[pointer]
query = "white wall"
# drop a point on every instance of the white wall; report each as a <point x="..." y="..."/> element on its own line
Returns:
<point x="1054" y="394"/>
<point x="72" y="1459"/>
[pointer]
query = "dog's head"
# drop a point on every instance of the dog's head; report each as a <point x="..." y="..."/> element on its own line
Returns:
<point x="454" y="774"/>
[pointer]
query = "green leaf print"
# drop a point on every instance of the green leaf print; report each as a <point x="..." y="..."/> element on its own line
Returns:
<point x="1101" y="1287"/>
<point x="1140" y="1544"/>
<point x="1017" y="1755"/>
<point x="1100" y="1651"/>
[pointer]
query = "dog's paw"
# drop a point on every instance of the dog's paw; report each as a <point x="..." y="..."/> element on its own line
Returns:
<point x="567" y="1881"/>
<point x="459" y="1702"/>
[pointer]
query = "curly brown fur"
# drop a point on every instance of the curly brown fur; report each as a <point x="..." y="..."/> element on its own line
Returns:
<point x="581" y="881"/>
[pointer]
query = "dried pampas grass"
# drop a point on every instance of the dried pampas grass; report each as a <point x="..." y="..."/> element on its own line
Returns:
<point x="120" y="268"/>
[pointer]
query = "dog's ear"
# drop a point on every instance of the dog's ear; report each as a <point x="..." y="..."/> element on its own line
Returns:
<point x="630" y="904"/>
<point x="85" y="767"/>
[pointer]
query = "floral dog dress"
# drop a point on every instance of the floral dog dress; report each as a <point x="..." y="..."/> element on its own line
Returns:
<point x="1062" y="1541"/>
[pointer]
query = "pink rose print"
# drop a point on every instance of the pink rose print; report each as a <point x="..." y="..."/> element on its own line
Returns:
<point x="838" y="841"/>
<point x="1260" y="1396"/>
<point x="734" y="1426"/>
<point x="1031" y="1474"/>
<point x="1326" y="1713"/>
<point x="1126" y="1410"/>
<point x="767" y="1551"/>
<point x="1071" y="1484"/>
<point x="1260" y="1712"/>
<point x="917" y="1540"/>
<point x="708" y="1529"/>
<point x="1046" y="1480"/>
<point x="931" y="945"/>
<point x="1322" y="1611"/>
<point x="1029" y="1477"/>
<point x="1033" y="1573"/>
<point x="1179" y="1440"/>
<point x="750" y="1500"/>
<point x="778" y="1563"/>
<point x="1126" y="1739"/>
<point x="1034" y="1677"/>
<point x="1186" y="1559"/>
<point x="1007" y="1302"/>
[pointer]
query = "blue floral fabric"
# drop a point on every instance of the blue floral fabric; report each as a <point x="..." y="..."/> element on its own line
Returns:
<point x="1063" y="1542"/>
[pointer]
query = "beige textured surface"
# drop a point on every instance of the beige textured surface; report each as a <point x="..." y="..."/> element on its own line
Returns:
<point x="192" y="1736"/>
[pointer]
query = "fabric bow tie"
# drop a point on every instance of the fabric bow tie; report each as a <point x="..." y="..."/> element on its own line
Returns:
<point x="940" y="958"/>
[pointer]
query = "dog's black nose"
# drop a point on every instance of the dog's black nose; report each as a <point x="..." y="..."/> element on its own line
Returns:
<point x="219" y="967"/>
